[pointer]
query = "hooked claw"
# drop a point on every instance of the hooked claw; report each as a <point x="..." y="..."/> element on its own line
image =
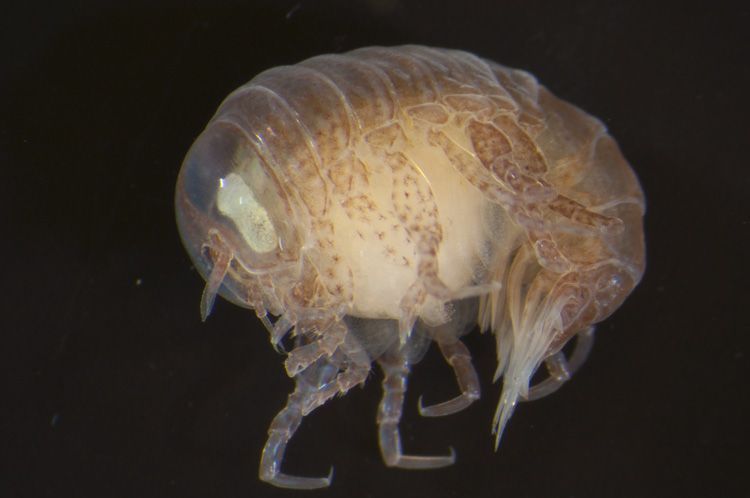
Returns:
<point x="296" y="482"/>
<point x="453" y="405"/>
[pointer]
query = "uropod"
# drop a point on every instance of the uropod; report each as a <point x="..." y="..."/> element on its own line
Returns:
<point x="367" y="204"/>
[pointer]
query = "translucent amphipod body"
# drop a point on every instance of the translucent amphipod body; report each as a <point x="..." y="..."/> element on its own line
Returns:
<point x="379" y="200"/>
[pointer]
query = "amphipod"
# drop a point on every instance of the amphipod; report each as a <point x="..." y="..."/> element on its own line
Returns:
<point x="369" y="203"/>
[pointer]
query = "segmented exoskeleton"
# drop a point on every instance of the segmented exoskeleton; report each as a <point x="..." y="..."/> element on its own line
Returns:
<point x="383" y="199"/>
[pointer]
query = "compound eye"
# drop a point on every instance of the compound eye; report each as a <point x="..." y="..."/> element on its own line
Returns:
<point x="236" y="200"/>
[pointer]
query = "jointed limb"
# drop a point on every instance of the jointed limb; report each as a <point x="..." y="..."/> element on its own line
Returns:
<point x="396" y="371"/>
<point x="315" y="384"/>
<point x="457" y="356"/>
<point x="285" y="424"/>
<point x="560" y="368"/>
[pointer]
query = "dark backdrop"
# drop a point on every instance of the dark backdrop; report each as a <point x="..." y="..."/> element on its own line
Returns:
<point x="114" y="388"/>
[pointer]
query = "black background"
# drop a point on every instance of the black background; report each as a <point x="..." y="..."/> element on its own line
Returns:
<point x="115" y="388"/>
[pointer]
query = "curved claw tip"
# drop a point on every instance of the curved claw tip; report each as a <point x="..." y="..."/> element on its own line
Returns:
<point x="295" y="482"/>
<point x="324" y="482"/>
<point x="449" y="407"/>
<point x="278" y="347"/>
<point x="423" y="461"/>
<point x="452" y="454"/>
<point x="420" y="406"/>
<point x="430" y="410"/>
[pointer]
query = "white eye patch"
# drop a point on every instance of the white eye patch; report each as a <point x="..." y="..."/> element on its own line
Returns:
<point x="237" y="202"/>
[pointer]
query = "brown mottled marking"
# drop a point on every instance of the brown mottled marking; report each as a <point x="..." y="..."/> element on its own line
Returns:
<point x="408" y="182"/>
<point x="471" y="170"/>
<point x="525" y="152"/>
<point x="360" y="208"/>
<point x="386" y="137"/>
<point x="578" y="213"/>
<point x="432" y="113"/>
<point x="478" y="105"/>
<point x="368" y="90"/>
<point x="489" y="142"/>
<point x="348" y="175"/>
<point x="331" y="272"/>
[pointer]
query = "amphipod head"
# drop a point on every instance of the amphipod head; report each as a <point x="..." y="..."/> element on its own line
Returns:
<point x="233" y="217"/>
